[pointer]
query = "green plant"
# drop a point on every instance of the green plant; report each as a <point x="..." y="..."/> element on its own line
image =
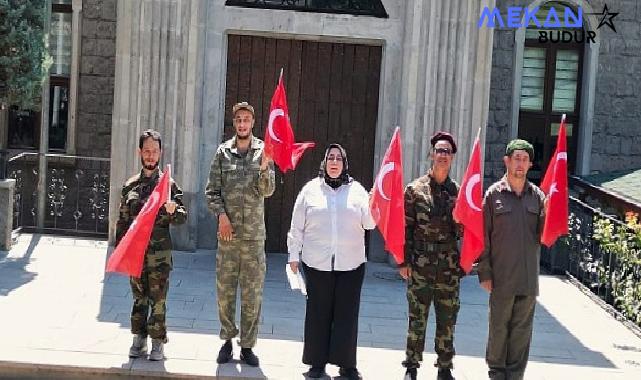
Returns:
<point x="623" y="242"/>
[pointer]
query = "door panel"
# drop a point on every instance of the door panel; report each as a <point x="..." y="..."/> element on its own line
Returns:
<point x="332" y="94"/>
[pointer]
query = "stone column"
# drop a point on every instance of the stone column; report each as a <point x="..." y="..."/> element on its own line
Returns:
<point x="158" y="84"/>
<point x="446" y="78"/>
<point x="7" y="187"/>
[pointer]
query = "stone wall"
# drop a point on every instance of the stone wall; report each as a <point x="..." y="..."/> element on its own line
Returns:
<point x="96" y="82"/>
<point x="617" y="110"/>
<point x="616" y="131"/>
<point x="499" y="115"/>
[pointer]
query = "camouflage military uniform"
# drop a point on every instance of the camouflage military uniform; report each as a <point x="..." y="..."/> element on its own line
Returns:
<point x="238" y="188"/>
<point x="150" y="290"/>
<point x="432" y="253"/>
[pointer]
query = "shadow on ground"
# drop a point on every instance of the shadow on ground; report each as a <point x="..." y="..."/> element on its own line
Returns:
<point x="13" y="268"/>
<point x="191" y="308"/>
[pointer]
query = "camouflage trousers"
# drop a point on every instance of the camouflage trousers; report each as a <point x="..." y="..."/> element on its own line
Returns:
<point x="240" y="262"/>
<point x="420" y="294"/>
<point x="150" y="295"/>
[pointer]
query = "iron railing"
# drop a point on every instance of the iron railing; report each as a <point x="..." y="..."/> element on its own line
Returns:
<point x="357" y="7"/>
<point x="76" y="195"/>
<point x="589" y="263"/>
<point x="4" y="156"/>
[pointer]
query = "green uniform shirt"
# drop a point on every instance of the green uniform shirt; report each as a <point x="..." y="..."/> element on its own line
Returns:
<point x="513" y="226"/>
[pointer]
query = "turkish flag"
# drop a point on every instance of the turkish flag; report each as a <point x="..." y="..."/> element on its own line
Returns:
<point x="469" y="212"/>
<point x="129" y="255"/>
<point x="279" y="136"/>
<point x="555" y="186"/>
<point x="387" y="205"/>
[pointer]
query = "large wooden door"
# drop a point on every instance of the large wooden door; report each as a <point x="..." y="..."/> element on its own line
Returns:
<point x="332" y="94"/>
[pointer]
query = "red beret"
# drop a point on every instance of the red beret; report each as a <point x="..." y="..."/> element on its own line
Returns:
<point x="441" y="135"/>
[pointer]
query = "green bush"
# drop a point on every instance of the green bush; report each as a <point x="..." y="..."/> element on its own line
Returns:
<point x="24" y="58"/>
<point x="623" y="241"/>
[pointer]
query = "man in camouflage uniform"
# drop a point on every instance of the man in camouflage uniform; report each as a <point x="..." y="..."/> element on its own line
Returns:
<point x="240" y="179"/>
<point x="432" y="259"/>
<point x="150" y="290"/>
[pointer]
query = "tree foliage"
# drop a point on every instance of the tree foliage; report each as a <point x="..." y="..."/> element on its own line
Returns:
<point x="24" y="57"/>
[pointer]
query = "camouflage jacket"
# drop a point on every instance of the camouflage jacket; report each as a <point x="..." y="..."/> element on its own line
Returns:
<point x="134" y="195"/>
<point x="429" y="224"/>
<point x="238" y="188"/>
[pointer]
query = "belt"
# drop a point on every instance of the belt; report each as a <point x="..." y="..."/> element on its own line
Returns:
<point x="429" y="246"/>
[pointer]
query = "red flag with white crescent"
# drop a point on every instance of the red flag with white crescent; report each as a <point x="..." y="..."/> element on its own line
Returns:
<point x="129" y="255"/>
<point x="387" y="205"/>
<point x="279" y="135"/>
<point x="469" y="210"/>
<point x="555" y="186"/>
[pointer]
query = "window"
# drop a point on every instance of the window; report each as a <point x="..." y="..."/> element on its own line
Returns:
<point x="550" y="87"/>
<point x="24" y="125"/>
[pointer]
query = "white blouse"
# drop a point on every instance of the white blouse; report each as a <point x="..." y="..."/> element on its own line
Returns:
<point x="328" y="226"/>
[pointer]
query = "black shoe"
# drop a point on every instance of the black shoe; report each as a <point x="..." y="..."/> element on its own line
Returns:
<point x="248" y="356"/>
<point x="316" y="372"/>
<point x="350" y="373"/>
<point x="444" y="374"/>
<point x="410" y="374"/>
<point x="226" y="353"/>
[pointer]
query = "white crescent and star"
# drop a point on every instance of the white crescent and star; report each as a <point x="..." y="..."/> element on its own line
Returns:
<point x="474" y="180"/>
<point x="276" y="112"/>
<point x="388" y="167"/>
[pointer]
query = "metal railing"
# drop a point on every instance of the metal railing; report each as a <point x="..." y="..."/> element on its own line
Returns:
<point x="76" y="194"/>
<point x="4" y="156"/>
<point x="589" y="263"/>
<point x="357" y="7"/>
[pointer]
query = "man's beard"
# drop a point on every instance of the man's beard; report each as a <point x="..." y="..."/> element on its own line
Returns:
<point x="149" y="167"/>
<point x="239" y="137"/>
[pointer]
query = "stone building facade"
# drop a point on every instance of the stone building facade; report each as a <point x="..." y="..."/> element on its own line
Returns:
<point x="609" y="129"/>
<point x="96" y="78"/>
<point x="164" y="64"/>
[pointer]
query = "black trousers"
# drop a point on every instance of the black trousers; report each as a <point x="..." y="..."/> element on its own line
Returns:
<point x="331" y="316"/>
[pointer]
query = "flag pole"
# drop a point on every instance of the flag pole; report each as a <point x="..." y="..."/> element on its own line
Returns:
<point x="169" y="174"/>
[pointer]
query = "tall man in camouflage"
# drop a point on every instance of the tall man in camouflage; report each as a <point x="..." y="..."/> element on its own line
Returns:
<point x="514" y="214"/>
<point x="240" y="179"/>
<point x="432" y="259"/>
<point x="150" y="290"/>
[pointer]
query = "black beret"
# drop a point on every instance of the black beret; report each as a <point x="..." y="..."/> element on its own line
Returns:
<point x="441" y="135"/>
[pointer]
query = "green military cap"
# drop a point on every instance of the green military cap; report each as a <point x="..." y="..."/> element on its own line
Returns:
<point x="519" y="144"/>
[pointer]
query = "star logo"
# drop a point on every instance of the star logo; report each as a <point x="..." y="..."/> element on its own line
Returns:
<point x="606" y="18"/>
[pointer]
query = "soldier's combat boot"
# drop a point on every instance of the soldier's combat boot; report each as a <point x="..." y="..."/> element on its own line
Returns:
<point x="226" y="353"/>
<point x="138" y="347"/>
<point x="410" y="374"/>
<point x="444" y="374"/>
<point x="248" y="356"/>
<point x="157" y="350"/>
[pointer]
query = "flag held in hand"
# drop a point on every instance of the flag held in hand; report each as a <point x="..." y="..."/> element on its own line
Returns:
<point x="279" y="136"/>
<point x="129" y="255"/>
<point x="468" y="210"/>
<point x="386" y="205"/>
<point x="555" y="186"/>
